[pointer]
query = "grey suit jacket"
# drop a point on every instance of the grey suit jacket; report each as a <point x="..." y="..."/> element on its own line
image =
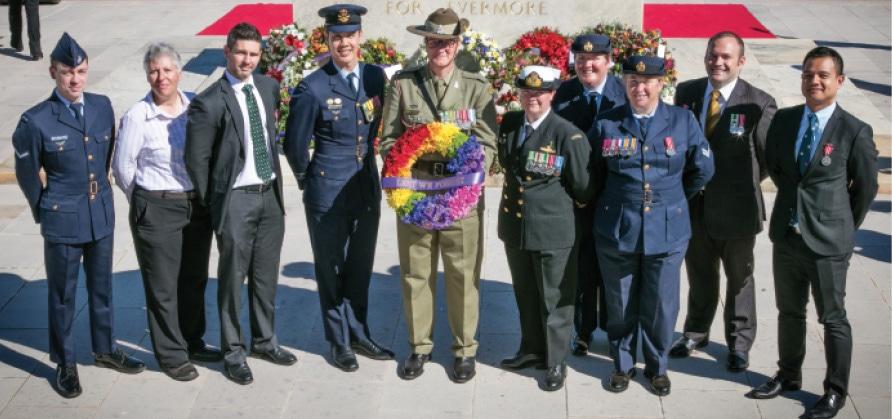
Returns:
<point x="214" y="153"/>
<point x="733" y="206"/>
<point x="831" y="200"/>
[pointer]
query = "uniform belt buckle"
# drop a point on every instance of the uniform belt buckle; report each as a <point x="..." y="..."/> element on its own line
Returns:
<point x="439" y="169"/>
<point x="648" y="197"/>
<point x="94" y="189"/>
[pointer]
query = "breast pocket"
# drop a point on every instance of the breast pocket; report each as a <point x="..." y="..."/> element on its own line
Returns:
<point x="57" y="151"/>
<point x="58" y="217"/>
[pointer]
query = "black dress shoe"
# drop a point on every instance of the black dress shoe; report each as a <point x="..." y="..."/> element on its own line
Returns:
<point x="619" y="381"/>
<point x="414" y="366"/>
<point x="370" y="349"/>
<point x="659" y="384"/>
<point x="185" y="372"/>
<point x="36" y="57"/>
<point x="522" y="360"/>
<point x="344" y="358"/>
<point x="554" y="377"/>
<point x="683" y="347"/>
<point x="120" y="362"/>
<point x="206" y="354"/>
<point x="277" y="355"/>
<point x="738" y="361"/>
<point x="580" y="346"/>
<point x="240" y="373"/>
<point x="463" y="369"/>
<point x="67" y="384"/>
<point x="773" y="387"/>
<point x="827" y="407"/>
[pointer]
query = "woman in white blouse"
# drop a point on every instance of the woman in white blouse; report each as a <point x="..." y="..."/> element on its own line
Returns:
<point x="171" y="229"/>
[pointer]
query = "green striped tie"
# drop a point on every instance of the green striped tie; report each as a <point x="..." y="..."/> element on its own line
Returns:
<point x="261" y="158"/>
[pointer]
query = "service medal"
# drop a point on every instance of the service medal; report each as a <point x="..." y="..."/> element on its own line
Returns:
<point x="827" y="150"/>
<point x="670" y="146"/>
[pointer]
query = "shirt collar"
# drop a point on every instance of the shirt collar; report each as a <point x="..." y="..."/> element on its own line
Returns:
<point x="344" y="73"/>
<point x="67" y="102"/>
<point x="236" y="83"/>
<point x="446" y="79"/>
<point x="724" y="91"/>
<point x="599" y="88"/>
<point x="823" y="114"/>
<point x="535" y="124"/>
<point x="153" y="111"/>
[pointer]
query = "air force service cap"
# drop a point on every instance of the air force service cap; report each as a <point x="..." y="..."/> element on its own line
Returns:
<point x="644" y="66"/>
<point x="591" y="43"/>
<point x="68" y="52"/>
<point x="343" y="17"/>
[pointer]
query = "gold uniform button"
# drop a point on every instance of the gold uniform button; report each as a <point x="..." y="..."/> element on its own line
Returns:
<point x="89" y="157"/>
<point x="646" y="209"/>
<point x="647" y="186"/>
<point x="646" y="167"/>
<point x="55" y="207"/>
<point x="335" y="118"/>
<point x="520" y="189"/>
<point x="528" y="178"/>
<point x="359" y="122"/>
<point x="92" y="176"/>
<point x="505" y="209"/>
<point x="359" y="138"/>
<point x="519" y="215"/>
<point x="504" y="196"/>
<point x="322" y="173"/>
<point x="520" y="202"/>
<point x="86" y="139"/>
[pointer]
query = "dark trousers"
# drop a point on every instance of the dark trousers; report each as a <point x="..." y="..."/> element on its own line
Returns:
<point x="15" y="25"/>
<point x="545" y="289"/>
<point x="63" y="263"/>
<point x="172" y="237"/>
<point x="642" y="294"/>
<point x="702" y="262"/>
<point x="249" y="246"/>
<point x="343" y="254"/>
<point x="796" y="269"/>
<point x="591" y="309"/>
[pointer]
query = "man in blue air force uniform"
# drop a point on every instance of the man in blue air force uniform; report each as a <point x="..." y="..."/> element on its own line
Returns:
<point x="338" y="107"/>
<point x="594" y="91"/>
<point x="648" y="159"/>
<point x="70" y="136"/>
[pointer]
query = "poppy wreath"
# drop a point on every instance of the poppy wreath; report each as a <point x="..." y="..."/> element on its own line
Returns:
<point x="434" y="204"/>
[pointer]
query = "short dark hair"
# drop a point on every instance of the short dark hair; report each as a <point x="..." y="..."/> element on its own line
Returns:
<point x="819" y="52"/>
<point x="726" y="34"/>
<point x="243" y="31"/>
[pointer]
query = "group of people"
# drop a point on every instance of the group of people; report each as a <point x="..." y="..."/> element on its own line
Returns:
<point x="607" y="191"/>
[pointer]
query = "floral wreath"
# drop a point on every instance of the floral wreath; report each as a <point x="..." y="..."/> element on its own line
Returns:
<point x="449" y="199"/>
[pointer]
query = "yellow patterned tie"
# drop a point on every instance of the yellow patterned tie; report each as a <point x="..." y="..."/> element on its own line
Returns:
<point x="713" y="113"/>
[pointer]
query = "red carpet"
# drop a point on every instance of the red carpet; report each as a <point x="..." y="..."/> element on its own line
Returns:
<point x="674" y="20"/>
<point x="263" y="15"/>
<point x="702" y="20"/>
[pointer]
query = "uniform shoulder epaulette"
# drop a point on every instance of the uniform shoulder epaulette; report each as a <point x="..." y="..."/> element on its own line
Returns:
<point x="473" y="76"/>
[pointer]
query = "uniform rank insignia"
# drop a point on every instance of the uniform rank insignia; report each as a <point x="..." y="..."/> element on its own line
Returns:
<point x="343" y="16"/>
<point x="548" y="164"/>
<point x="547" y="149"/>
<point x="587" y="47"/>
<point x="827" y="151"/>
<point x="738" y="124"/>
<point x="368" y="110"/>
<point x="670" y="146"/>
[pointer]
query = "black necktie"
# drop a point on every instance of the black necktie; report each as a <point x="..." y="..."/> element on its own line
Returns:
<point x="351" y="80"/>
<point x="78" y="109"/>
<point x="527" y="133"/>
<point x="643" y="123"/>
<point x="593" y="102"/>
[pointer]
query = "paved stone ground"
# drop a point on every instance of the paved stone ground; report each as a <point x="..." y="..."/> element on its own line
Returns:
<point x="114" y="32"/>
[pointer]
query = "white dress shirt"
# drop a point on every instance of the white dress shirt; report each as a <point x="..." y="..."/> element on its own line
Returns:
<point x="150" y="148"/>
<point x="248" y="176"/>
<point x="532" y="125"/>
<point x="724" y="94"/>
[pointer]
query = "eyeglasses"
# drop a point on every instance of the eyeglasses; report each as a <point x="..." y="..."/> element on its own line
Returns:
<point x="439" y="43"/>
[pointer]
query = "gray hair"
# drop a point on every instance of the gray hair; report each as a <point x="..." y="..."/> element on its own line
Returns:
<point x="160" y="49"/>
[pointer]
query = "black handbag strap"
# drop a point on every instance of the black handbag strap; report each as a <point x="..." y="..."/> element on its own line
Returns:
<point x="427" y="96"/>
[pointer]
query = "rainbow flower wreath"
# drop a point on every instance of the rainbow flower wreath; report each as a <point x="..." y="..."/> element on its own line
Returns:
<point x="458" y="194"/>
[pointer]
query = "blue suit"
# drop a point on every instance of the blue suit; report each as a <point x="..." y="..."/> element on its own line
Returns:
<point x="571" y="103"/>
<point x="642" y="225"/>
<point x="75" y="210"/>
<point x="342" y="193"/>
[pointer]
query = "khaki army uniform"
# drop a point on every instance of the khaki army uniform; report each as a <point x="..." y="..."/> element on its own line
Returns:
<point x="461" y="245"/>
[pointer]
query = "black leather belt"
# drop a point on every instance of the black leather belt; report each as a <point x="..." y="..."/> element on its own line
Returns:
<point x="435" y="168"/>
<point x="169" y="194"/>
<point x="263" y="187"/>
